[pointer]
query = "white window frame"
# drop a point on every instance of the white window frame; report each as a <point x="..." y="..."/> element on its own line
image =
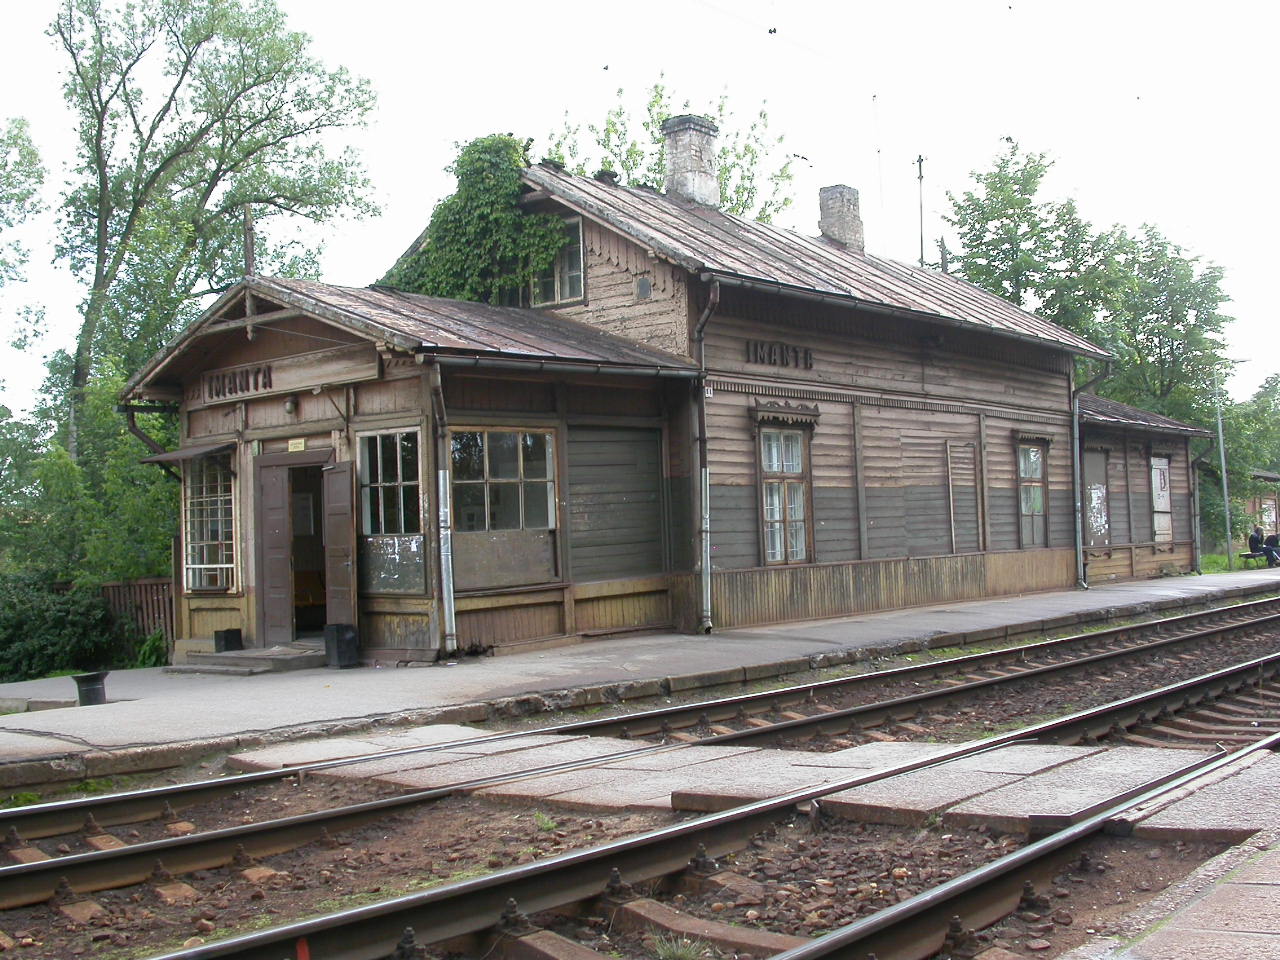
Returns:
<point x="561" y="273"/>
<point x="782" y="513"/>
<point x="203" y="514"/>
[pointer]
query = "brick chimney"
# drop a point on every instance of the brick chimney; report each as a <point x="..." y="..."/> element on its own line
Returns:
<point x="691" y="159"/>
<point x="838" y="217"/>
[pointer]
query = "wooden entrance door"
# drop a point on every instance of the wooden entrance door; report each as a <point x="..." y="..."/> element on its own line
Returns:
<point x="339" y="543"/>
<point x="275" y="556"/>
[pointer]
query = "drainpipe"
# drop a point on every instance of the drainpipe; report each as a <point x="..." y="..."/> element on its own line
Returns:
<point x="1077" y="481"/>
<point x="704" y="472"/>
<point x="445" y="509"/>
<point x="130" y="417"/>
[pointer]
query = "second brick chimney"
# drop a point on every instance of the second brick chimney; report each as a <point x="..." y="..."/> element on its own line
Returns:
<point x="691" y="159"/>
<point x="838" y="217"/>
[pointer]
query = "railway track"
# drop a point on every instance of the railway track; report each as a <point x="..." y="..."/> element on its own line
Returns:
<point x="472" y="906"/>
<point x="469" y="907"/>
<point x="113" y="863"/>
<point x="960" y="674"/>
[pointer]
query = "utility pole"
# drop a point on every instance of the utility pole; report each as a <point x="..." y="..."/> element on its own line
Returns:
<point x="920" y="180"/>
<point x="249" y="265"/>
<point x="1222" y="465"/>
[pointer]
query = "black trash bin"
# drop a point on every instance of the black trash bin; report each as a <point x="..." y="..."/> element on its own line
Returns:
<point x="341" y="649"/>
<point x="91" y="688"/>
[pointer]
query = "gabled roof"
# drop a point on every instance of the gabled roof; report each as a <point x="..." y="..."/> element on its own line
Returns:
<point x="431" y="325"/>
<point x="1095" y="409"/>
<point x="715" y="244"/>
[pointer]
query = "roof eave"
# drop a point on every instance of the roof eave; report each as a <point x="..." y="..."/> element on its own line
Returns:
<point x="807" y="293"/>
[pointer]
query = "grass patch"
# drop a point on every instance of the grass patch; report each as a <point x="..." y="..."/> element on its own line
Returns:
<point x="674" y="947"/>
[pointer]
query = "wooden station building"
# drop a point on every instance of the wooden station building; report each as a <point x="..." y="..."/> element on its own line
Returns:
<point x="699" y="421"/>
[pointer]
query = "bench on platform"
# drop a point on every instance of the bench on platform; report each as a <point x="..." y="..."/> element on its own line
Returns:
<point x="1252" y="556"/>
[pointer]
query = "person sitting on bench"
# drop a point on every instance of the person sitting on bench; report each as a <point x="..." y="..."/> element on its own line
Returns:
<point x="1258" y="545"/>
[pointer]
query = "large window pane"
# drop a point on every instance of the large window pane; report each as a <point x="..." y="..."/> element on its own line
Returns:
<point x="791" y="452"/>
<point x="537" y="508"/>
<point x="772" y="501"/>
<point x="411" y="508"/>
<point x="1032" y="499"/>
<point x="504" y="506"/>
<point x="468" y="506"/>
<point x="504" y="456"/>
<point x="534" y="450"/>
<point x="771" y="451"/>
<point x="1030" y="462"/>
<point x="795" y="501"/>
<point x="796" y="546"/>
<point x="773" y="542"/>
<point x="389" y="442"/>
<point x="408" y="457"/>
<point x="468" y="456"/>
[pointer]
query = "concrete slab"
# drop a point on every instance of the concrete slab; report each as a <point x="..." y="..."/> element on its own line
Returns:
<point x="1229" y="809"/>
<point x="679" y="757"/>
<point x="1066" y="789"/>
<point x="910" y="799"/>
<point x="1173" y="944"/>
<point x="874" y="756"/>
<point x="1025" y="759"/>
<point x="1239" y="907"/>
<point x="1266" y="869"/>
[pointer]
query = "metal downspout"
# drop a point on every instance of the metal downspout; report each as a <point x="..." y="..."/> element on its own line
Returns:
<point x="1077" y="455"/>
<point x="444" y="505"/>
<point x="704" y="472"/>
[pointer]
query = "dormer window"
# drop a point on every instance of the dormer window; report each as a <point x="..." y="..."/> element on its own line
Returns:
<point x="563" y="281"/>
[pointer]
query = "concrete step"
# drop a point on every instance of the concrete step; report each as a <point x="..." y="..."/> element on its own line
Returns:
<point x="214" y="668"/>
<point x="261" y="660"/>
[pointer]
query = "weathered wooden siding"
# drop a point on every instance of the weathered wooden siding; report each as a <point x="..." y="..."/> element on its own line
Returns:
<point x="1132" y="553"/>
<point x="614" y="503"/>
<point x="614" y="265"/>
<point x="778" y="594"/>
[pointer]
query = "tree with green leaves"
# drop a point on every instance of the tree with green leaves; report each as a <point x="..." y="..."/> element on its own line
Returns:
<point x="21" y="176"/>
<point x="752" y="182"/>
<point x="188" y="112"/>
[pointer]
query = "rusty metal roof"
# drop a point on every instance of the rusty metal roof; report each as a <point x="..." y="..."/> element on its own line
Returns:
<point x="451" y="329"/>
<point x="437" y="325"/>
<point x="1095" y="409"/>
<point x="713" y="243"/>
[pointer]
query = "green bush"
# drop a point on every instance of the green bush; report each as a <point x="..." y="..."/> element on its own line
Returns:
<point x="44" y="629"/>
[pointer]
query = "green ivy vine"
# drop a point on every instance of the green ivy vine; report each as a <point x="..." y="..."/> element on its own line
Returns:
<point x="479" y="242"/>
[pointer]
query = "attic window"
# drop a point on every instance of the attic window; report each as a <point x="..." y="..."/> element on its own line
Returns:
<point x="562" y="283"/>
<point x="644" y="288"/>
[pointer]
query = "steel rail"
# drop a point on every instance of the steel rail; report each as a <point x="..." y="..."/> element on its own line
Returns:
<point x="914" y="928"/>
<point x="370" y="932"/>
<point x="67" y="816"/>
<point x="23" y="884"/>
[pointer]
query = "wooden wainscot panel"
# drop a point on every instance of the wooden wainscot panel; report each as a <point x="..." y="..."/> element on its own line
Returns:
<point x="816" y="591"/>
<point x="398" y="628"/>
<point x="506" y="620"/>
<point x="617" y="605"/>
<point x="284" y="375"/>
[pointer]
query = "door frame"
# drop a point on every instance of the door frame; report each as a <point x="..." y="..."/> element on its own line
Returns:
<point x="303" y="458"/>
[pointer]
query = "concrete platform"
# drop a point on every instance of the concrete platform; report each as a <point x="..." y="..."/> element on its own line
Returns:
<point x="1229" y="909"/>
<point x="165" y="719"/>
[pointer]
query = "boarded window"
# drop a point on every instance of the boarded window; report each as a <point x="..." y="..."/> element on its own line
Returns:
<point x="209" y="524"/>
<point x="391" y="543"/>
<point x="1097" y="508"/>
<point x="1161" y="500"/>
<point x="1033" y="526"/>
<point x="614" y="503"/>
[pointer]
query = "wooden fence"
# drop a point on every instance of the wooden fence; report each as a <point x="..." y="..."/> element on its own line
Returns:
<point x="147" y="604"/>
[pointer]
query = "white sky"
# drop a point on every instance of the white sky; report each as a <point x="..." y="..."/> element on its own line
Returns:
<point x="1156" y="113"/>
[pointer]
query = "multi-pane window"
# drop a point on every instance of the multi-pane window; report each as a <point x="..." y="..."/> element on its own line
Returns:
<point x="785" y="492"/>
<point x="503" y="480"/>
<point x="389" y="497"/>
<point x="562" y="282"/>
<point x="1161" y="500"/>
<point x="208" y="524"/>
<point x="1032" y="495"/>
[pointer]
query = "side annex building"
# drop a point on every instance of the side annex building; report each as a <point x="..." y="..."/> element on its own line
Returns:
<point x="701" y="422"/>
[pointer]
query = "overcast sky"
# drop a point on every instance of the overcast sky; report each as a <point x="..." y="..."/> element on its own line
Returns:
<point x="1157" y="113"/>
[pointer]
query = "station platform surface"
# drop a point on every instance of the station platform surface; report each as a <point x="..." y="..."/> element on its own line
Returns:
<point x="157" y="719"/>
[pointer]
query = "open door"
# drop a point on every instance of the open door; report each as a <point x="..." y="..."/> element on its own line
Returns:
<point x="340" y="542"/>
<point x="275" y="554"/>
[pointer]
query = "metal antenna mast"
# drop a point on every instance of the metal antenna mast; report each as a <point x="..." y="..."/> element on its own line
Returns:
<point x="920" y="179"/>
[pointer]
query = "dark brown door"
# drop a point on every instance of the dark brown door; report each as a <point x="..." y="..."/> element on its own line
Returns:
<point x="339" y="543"/>
<point x="275" y="556"/>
